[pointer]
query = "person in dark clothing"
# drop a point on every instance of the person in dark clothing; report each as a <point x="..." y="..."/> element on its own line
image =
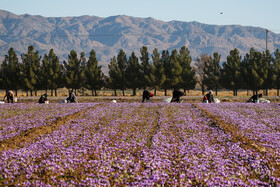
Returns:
<point x="254" y="98"/>
<point x="43" y="98"/>
<point x="208" y="98"/>
<point x="176" y="96"/>
<point x="146" y="96"/>
<point x="72" y="97"/>
<point x="9" y="95"/>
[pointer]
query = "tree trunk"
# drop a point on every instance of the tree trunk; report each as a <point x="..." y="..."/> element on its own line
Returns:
<point x="115" y="91"/>
<point x="278" y="92"/>
<point x="123" y="92"/>
<point x="134" y="91"/>
<point x="202" y="90"/>
<point x="55" y="92"/>
<point x="35" y="92"/>
<point x="31" y="93"/>
<point x="26" y="93"/>
<point x="155" y="92"/>
<point x="16" y="92"/>
<point x="95" y="92"/>
<point x="91" y="92"/>
<point x="165" y="92"/>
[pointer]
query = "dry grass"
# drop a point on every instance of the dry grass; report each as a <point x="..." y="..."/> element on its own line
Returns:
<point x="64" y="92"/>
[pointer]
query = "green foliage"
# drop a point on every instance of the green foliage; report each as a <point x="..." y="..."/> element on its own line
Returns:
<point x="145" y="68"/>
<point x="74" y="75"/>
<point x="122" y="63"/>
<point x="157" y="71"/>
<point x="212" y="71"/>
<point x="51" y="71"/>
<point x="252" y="70"/>
<point x="276" y="67"/>
<point x="267" y="71"/>
<point x="31" y="69"/>
<point x="117" y="68"/>
<point x="93" y="73"/>
<point x="133" y="74"/>
<point x="231" y="72"/>
<point x="257" y="70"/>
<point x="188" y="80"/>
<point x="11" y="71"/>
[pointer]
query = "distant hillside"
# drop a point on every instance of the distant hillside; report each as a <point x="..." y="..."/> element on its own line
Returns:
<point x="108" y="35"/>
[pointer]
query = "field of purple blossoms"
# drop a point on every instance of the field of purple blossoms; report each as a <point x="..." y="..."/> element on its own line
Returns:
<point x="140" y="144"/>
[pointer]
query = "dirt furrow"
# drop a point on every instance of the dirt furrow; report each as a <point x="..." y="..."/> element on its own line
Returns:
<point x="30" y="135"/>
<point x="239" y="137"/>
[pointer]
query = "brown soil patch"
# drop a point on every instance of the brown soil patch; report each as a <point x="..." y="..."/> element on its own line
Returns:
<point x="30" y="135"/>
<point x="245" y="143"/>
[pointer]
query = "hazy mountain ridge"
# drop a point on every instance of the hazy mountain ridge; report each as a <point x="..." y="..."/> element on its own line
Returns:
<point x="108" y="35"/>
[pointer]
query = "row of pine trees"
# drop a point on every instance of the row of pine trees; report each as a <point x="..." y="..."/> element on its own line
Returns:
<point x="158" y="71"/>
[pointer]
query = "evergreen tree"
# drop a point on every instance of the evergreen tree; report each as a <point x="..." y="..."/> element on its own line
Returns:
<point x="122" y="63"/>
<point x="157" y="71"/>
<point x="114" y="75"/>
<point x="73" y="71"/>
<point x="165" y="61"/>
<point x="252" y="72"/>
<point x="133" y="74"/>
<point x="11" y="72"/>
<point x="93" y="73"/>
<point x="188" y="81"/>
<point x="267" y="71"/>
<point x="212" y="71"/>
<point x="231" y="75"/>
<point x="276" y="67"/>
<point x="51" y="72"/>
<point x="175" y="71"/>
<point x="145" y="67"/>
<point x="31" y="70"/>
<point x="82" y="76"/>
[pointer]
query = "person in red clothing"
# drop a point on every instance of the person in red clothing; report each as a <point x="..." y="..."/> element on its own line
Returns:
<point x="146" y="96"/>
<point x="208" y="98"/>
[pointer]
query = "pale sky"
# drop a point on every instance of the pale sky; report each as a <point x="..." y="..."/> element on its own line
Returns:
<point x="259" y="13"/>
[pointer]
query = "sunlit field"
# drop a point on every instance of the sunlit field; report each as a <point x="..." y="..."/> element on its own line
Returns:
<point x="140" y="144"/>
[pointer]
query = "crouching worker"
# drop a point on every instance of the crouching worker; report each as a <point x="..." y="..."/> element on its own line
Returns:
<point x="254" y="98"/>
<point x="43" y="98"/>
<point x="146" y="96"/>
<point x="176" y="96"/>
<point x="72" y="97"/>
<point x="208" y="98"/>
<point x="10" y="96"/>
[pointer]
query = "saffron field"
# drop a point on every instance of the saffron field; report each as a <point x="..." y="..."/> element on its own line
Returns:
<point x="140" y="144"/>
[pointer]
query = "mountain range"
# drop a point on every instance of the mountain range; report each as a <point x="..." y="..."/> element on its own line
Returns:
<point x="108" y="35"/>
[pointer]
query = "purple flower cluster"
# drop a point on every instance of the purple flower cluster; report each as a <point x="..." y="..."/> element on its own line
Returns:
<point x="135" y="144"/>
<point x="16" y="118"/>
